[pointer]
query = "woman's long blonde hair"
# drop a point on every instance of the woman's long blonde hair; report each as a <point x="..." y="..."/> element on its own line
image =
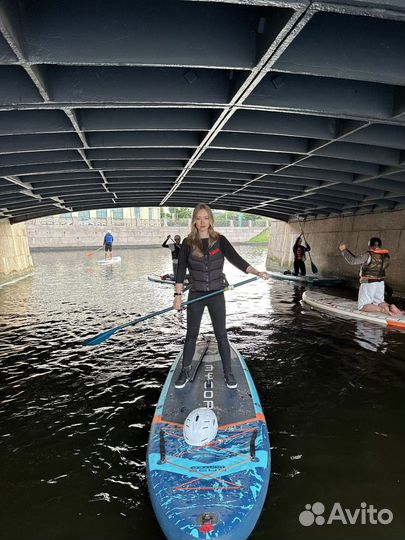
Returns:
<point x="193" y="239"/>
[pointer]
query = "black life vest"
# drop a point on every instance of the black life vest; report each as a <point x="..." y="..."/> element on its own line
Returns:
<point x="207" y="271"/>
<point x="375" y="269"/>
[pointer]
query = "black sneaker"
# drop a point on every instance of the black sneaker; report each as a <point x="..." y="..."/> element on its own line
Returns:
<point x="182" y="379"/>
<point x="230" y="380"/>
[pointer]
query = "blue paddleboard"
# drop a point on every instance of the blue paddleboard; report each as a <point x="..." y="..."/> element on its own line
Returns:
<point x="218" y="490"/>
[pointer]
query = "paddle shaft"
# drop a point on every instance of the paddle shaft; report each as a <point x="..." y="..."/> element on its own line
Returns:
<point x="302" y="232"/>
<point x="184" y="304"/>
<point x="105" y="335"/>
<point x="95" y="251"/>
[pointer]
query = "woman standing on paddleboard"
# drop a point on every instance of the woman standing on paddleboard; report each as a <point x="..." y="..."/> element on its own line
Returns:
<point x="299" y="251"/>
<point x="203" y="253"/>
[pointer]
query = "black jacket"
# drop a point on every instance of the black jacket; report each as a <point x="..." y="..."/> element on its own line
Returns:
<point x="174" y="248"/>
<point x="304" y="248"/>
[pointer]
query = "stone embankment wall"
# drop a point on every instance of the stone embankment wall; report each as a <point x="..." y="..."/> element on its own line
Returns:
<point x="52" y="237"/>
<point x="324" y="237"/>
<point x="15" y="258"/>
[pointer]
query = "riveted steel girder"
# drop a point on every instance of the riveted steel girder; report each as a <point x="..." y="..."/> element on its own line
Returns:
<point x="276" y="107"/>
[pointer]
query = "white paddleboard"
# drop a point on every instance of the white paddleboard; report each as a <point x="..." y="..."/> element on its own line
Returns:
<point x="15" y="280"/>
<point x="310" y="279"/>
<point x="113" y="260"/>
<point x="159" y="279"/>
<point x="348" y="308"/>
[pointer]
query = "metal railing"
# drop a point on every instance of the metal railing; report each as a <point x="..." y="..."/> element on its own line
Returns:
<point x="60" y="221"/>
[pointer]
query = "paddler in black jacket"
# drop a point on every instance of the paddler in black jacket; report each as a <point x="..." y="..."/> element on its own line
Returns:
<point x="299" y="251"/>
<point x="204" y="252"/>
<point x="175" y="250"/>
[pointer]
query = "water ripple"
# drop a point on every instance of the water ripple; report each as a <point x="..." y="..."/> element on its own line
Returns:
<point x="75" y="421"/>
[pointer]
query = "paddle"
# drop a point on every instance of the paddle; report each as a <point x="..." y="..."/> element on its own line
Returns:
<point x="313" y="266"/>
<point x="100" y="338"/>
<point x="91" y="253"/>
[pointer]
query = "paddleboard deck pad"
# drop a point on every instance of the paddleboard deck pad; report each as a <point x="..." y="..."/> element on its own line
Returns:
<point x="309" y="279"/>
<point x="113" y="260"/>
<point x="348" y="308"/>
<point x="217" y="490"/>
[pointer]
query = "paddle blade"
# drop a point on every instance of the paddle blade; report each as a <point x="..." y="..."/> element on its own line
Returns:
<point x="100" y="338"/>
<point x="314" y="268"/>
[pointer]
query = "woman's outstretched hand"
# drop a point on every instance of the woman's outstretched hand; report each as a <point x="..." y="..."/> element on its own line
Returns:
<point x="251" y="270"/>
<point x="177" y="303"/>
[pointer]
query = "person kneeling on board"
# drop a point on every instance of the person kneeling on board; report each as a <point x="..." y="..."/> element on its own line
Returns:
<point x="372" y="275"/>
<point x="203" y="252"/>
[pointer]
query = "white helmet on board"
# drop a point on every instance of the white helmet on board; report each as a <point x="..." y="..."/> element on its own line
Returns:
<point x="200" y="427"/>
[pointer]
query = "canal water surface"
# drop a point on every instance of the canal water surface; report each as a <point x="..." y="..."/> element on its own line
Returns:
<point x="74" y="421"/>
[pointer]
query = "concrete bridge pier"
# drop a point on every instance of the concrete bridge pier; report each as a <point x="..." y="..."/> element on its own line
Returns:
<point x="324" y="237"/>
<point x="15" y="256"/>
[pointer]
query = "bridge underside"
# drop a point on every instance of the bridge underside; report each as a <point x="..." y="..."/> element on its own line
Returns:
<point x="279" y="108"/>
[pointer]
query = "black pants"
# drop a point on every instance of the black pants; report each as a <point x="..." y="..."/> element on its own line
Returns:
<point x="216" y="309"/>
<point x="175" y="263"/>
<point x="299" y="266"/>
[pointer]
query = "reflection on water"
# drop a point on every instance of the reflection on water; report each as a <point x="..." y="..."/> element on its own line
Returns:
<point x="75" y="421"/>
<point x="370" y="337"/>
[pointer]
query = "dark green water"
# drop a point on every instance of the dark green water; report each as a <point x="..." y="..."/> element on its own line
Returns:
<point x="74" y="422"/>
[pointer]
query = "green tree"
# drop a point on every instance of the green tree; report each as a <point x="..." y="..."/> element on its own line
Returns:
<point x="181" y="213"/>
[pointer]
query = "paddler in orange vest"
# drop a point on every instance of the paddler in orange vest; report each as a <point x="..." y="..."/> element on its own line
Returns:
<point x="372" y="275"/>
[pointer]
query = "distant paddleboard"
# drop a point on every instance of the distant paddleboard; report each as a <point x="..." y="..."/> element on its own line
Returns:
<point x="310" y="279"/>
<point x="348" y="308"/>
<point x="162" y="279"/>
<point x="113" y="260"/>
<point x="217" y="490"/>
<point x="15" y="280"/>
<point x="168" y="279"/>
